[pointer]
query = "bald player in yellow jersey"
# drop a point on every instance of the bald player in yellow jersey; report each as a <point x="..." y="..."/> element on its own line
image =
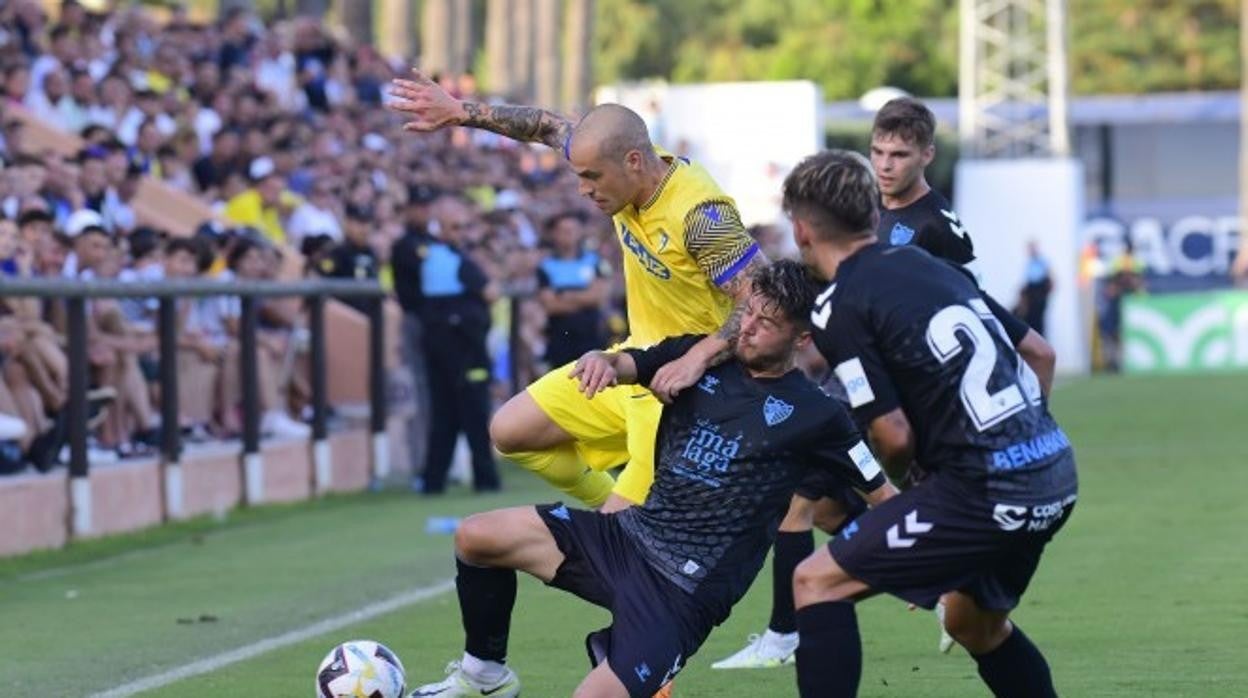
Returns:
<point x="687" y="259"/>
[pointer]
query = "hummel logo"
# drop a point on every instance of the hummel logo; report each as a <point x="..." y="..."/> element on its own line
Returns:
<point x="955" y="225"/>
<point x="642" y="670"/>
<point x="912" y="526"/>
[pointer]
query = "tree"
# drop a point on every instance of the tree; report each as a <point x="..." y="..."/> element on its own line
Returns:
<point x="1154" y="45"/>
<point x="357" y="17"/>
<point x="578" y="33"/>
<point x="851" y="46"/>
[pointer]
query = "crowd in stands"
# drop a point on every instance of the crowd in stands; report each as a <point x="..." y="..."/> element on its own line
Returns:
<point x="281" y="129"/>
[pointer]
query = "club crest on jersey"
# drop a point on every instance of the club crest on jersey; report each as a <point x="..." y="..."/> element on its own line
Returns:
<point x="776" y="410"/>
<point x="648" y="261"/>
<point x="901" y="234"/>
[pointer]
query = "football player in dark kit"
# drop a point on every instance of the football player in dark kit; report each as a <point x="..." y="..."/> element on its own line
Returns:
<point x="730" y="452"/>
<point x="903" y="143"/>
<point x="911" y="213"/>
<point x="929" y="368"/>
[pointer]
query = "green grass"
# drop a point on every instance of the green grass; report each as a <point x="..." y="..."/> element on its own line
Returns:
<point x="1142" y="593"/>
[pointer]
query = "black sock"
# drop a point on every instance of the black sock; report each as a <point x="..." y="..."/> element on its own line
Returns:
<point x="791" y="548"/>
<point x="829" y="654"/>
<point x="1016" y="669"/>
<point x="486" y="597"/>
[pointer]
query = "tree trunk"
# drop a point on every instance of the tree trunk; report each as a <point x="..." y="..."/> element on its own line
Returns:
<point x="522" y="50"/>
<point x="397" y="27"/>
<point x="498" y="68"/>
<point x="311" y="8"/>
<point x="546" y="32"/>
<point x="578" y="77"/>
<point x="224" y="6"/>
<point x="435" y="45"/>
<point x="462" y="47"/>
<point x="357" y="17"/>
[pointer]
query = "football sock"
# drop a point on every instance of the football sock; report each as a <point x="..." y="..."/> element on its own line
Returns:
<point x="1016" y="669"/>
<point x="561" y="467"/>
<point x="829" y="655"/>
<point x="791" y="548"/>
<point x="486" y="597"/>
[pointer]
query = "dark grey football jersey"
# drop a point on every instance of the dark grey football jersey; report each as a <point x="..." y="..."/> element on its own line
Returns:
<point x="903" y="329"/>
<point x="729" y="455"/>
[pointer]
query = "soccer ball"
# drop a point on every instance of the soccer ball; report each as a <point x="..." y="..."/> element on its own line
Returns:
<point x="360" y="669"/>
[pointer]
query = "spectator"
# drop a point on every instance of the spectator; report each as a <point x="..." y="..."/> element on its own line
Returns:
<point x="113" y="104"/>
<point x="574" y="286"/>
<point x="147" y="107"/>
<point x="143" y="154"/>
<point x="146" y="266"/>
<point x="456" y="319"/>
<point x="1033" y="301"/>
<point x="407" y="258"/>
<point x="265" y="204"/>
<point x="354" y="258"/>
<point x="316" y="215"/>
<point x="33" y="225"/>
<point x="212" y="169"/>
<point x="16" y="83"/>
<point x="62" y="53"/>
<point x="76" y="111"/>
<point x="237" y="40"/>
<point x="249" y="261"/>
<point x="51" y="102"/>
<point x="199" y="354"/>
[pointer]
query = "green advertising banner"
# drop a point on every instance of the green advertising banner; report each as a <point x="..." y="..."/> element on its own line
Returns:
<point x="1186" y="332"/>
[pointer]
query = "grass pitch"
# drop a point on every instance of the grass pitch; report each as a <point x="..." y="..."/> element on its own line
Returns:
<point x="1141" y="594"/>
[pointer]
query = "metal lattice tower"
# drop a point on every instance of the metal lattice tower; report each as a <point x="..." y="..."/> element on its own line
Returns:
<point x="1012" y="78"/>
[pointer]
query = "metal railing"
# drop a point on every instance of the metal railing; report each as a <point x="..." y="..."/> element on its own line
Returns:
<point x="75" y="293"/>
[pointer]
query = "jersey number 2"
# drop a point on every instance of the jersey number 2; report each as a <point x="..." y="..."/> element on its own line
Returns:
<point x="986" y="409"/>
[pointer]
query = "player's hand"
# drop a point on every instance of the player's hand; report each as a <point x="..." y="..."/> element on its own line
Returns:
<point x="677" y="375"/>
<point x="425" y="102"/>
<point x="595" y="371"/>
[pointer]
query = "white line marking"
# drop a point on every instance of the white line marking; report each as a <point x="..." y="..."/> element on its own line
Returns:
<point x="219" y="661"/>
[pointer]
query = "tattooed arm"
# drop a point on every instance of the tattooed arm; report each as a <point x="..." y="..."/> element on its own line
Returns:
<point x="430" y="108"/>
<point x="713" y="349"/>
<point x="529" y="124"/>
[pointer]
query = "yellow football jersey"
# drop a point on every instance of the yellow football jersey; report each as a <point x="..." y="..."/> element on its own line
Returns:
<point x="677" y="247"/>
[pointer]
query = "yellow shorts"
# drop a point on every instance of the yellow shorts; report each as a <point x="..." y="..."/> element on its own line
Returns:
<point x="615" y="427"/>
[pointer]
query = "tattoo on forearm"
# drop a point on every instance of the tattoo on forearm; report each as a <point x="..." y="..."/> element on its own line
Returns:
<point x="528" y="124"/>
<point x="728" y="333"/>
<point x="738" y="287"/>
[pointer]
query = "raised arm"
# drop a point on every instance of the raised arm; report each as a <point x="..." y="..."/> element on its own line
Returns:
<point x="430" y="108"/>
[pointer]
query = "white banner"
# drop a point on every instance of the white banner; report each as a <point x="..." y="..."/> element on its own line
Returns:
<point x="1007" y="203"/>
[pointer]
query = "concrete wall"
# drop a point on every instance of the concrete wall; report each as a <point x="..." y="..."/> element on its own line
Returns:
<point x="125" y="496"/>
<point x="35" y="509"/>
<point x="33" y="512"/>
<point x="287" y="471"/>
<point x="352" y="469"/>
<point x="212" y="480"/>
